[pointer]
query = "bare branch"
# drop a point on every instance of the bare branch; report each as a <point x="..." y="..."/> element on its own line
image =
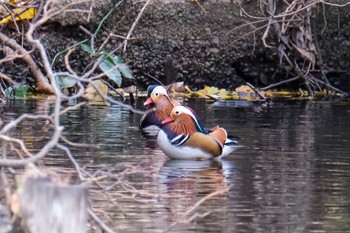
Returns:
<point x="42" y="83"/>
<point x="99" y="222"/>
<point x="195" y="206"/>
<point x="135" y="23"/>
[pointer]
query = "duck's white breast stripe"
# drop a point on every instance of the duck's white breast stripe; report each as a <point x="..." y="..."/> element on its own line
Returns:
<point x="176" y="138"/>
<point x="183" y="140"/>
<point x="175" y="141"/>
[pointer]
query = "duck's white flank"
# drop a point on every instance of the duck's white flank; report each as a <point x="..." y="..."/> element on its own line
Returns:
<point x="180" y="152"/>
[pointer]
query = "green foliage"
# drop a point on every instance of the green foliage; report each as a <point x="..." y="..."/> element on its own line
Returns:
<point x="112" y="65"/>
<point x="65" y="82"/>
<point x="124" y="69"/>
<point x="109" y="69"/>
<point x="18" y="91"/>
<point x="87" y="49"/>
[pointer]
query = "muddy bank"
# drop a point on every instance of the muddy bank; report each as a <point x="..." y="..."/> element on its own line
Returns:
<point x="200" y="44"/>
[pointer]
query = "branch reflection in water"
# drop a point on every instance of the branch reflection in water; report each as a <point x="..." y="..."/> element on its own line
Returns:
<point x="291" y="175"/>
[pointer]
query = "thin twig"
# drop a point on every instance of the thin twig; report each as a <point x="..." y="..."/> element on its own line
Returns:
<point x="135" y="23"/>
<point x="196" y="205"/>
<point x="279" y="83"/>
<point x="103" y="226"/>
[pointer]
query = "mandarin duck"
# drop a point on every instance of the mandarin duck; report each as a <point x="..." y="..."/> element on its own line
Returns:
<point x="183" y="137"/>
<point x="159" y="107"/>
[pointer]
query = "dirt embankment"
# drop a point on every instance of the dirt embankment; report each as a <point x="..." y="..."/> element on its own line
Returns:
<point x="202" y="44"/>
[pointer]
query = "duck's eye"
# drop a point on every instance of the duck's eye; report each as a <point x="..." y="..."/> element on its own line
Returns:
<point x="177" y="112"/>
<point x="156" y="94"/>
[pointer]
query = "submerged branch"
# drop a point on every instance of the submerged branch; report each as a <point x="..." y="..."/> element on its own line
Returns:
<point x="195" y="206"/>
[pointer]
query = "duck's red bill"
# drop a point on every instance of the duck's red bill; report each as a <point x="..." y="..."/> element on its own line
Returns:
<point x="148" y="102"/>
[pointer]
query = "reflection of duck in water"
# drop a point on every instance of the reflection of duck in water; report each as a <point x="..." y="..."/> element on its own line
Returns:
<point x="194" y="176"/>
<point x="183" y="137"/>
<point x="184" y="182"/>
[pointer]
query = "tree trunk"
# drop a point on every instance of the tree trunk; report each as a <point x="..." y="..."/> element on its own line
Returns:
<point x="46" y="207"/>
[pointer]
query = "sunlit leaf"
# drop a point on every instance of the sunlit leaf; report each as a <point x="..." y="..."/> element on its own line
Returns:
<point x="14" y="1"/>
<point x="245" y="92"/>
<point x="111" y="71"/>
<point x="223" y="94"/>
<point x="87" y="48"/>
<point x="211" y="90"/>
<point x="21" y="14"/>
<point x="65" y="82"/>
<point x="91" y="93"/>
<point x="244" y="88"/>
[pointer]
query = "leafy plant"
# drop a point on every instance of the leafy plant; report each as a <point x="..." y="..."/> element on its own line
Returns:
<point x="18" y="91"/>
<point x="113" y="66"/>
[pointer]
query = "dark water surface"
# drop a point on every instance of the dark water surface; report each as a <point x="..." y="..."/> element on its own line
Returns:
<point x="292" y="175"/>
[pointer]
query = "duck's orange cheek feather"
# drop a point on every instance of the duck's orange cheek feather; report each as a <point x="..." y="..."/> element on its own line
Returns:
<point x="162" y="114"/>
<point x="204" y="142"/>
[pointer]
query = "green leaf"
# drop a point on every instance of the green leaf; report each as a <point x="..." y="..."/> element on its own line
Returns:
<point x="124" y="69"/>
<point x="111" y="71"/>
<point x="18" y="91"/>
<point x="117" y="60"/>
<point x="105" y="52"/>
<point x="21" y="91"/>
<point x="87" y="49"/>
<point x="110" y="57"/>
<point x="65" y="82"/>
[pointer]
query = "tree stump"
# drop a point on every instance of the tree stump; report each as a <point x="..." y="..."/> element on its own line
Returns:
<point x="5" y="220"/>
<point x="47" y="207"/>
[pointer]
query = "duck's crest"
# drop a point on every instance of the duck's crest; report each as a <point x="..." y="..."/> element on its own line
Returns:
<point x="150" y="88"/>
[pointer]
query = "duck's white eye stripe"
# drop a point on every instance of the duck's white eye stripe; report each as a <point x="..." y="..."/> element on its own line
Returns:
<point x="160" y="90"/>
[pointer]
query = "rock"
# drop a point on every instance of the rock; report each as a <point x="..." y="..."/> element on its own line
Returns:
<point x="215" y="40"/>
<point x="214" y="50"/>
